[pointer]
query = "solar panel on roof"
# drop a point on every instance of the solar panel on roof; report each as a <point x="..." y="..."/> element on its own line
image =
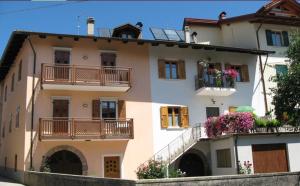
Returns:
<point x="158" y="34"/>
<point x="181" y="35"/>
<point x="105" y="32"/>
<point x="172" y="35"/>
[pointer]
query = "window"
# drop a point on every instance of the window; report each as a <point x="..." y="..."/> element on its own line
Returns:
<point x="174" y="117"/>
<point x="5" y="93"/>
<point x="12" y="83"/>
<point x="243" y="72"/>
<point x="62" y="57"/>
<point x="171" y="69"/>
<point x="16" y="162"/>
<point x="10" y="123"/>
<point x="20" y="71"/>
<point x="18" y="117"/>
<point x="108" y="109"/>
<point x="108" y="59"/>
<point x="212" y="112"/>
<point x="223" y="158"/>
<point x="277" y="38"/>
<point x="281" y="70"/>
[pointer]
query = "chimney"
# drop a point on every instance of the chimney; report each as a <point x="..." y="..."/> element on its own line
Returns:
<point x="222" y="15"/>
<point x="187" y="34"/>
<point x="90" y="26"/>
<point x="194" y="36"/>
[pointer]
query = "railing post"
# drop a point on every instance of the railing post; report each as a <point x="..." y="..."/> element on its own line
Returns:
<point x="73" y="70"/>
<point x="40" y="123"/>
<point x="182" y="143"/>
<point x="72" y="129"/>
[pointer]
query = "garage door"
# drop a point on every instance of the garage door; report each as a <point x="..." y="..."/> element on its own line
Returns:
<point x="269" y="158"/>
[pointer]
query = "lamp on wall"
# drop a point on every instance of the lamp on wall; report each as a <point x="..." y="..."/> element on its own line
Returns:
<point x="213" y="100"/>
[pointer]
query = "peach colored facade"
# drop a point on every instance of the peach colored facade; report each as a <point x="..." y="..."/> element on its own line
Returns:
<point x="137" y="99"/>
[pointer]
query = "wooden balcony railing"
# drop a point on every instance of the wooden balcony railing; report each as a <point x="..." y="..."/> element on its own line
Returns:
<point x="212" y="80"/>
<point x="84" y="75"/>
<point x="85" y="129"/>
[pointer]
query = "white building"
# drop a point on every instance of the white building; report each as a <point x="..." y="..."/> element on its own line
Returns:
<point x="267" y="29"/>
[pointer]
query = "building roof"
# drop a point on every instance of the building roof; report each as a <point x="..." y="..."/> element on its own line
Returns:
<point x="18" y="37"/>
<point x="289" y="14"/>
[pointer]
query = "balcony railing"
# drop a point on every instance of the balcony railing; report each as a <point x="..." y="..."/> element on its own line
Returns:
<point x="85" y="129"/>
<point x="87" y="76"/>
<point x="211" y="80"/>
<point x="212" y="84"/>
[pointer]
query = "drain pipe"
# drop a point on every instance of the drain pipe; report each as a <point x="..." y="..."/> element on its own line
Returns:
<point x="32" y="101"/>
<point x="236" y="154"/>
<point x="261" y="70"/>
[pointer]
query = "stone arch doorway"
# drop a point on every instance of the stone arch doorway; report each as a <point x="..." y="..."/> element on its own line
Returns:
<point x="66" y="160"/>
<point x="193" y="163"/>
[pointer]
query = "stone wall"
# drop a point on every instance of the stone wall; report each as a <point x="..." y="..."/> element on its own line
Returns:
<point x="50" y="179"/>
<point x="272" y="179"/>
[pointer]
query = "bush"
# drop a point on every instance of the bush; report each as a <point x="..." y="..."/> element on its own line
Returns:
<point x="175" y="173"/>
<point x="157" y="169"/>
<point x="153" y="169"/>
<point x="229" y="123"/>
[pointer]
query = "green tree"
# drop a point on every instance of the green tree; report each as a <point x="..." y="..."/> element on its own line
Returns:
<point x="287" y="93"/>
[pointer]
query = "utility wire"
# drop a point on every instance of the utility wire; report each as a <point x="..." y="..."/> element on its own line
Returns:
<point x="39" y="7"/>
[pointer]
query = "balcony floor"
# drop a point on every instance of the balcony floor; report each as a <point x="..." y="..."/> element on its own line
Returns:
<point x="215" y="91"/>
<point x="106" y="88"/>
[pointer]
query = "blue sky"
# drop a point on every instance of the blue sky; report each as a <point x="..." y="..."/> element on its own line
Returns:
<point x="63" y="18"/>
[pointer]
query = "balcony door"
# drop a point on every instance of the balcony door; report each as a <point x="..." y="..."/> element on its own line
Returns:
<point x="60" y="116"/>
<point x="61" y="69"/>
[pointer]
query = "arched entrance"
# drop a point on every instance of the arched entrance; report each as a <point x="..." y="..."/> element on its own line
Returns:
<point x="66" y="159"/>
<point x="193" y="163"/>
<point x="65" y="162"/>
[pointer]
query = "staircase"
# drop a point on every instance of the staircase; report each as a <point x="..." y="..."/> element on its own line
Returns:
<point x="178" y="146"/>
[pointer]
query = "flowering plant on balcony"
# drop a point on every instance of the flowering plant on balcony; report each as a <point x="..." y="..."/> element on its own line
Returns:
<point x="230" y="75"/>
<point x="229" y="123"/>
<point x="217" y="74"/>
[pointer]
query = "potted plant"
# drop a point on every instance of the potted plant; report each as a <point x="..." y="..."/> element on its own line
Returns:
<point x="230" y="75"/>
<point x="260" y="125"/>
<point x="272" y="125"/>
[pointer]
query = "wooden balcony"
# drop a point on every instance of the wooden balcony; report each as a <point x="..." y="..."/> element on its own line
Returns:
<point x="73" y="77"/>
<point x="85" y="129"/>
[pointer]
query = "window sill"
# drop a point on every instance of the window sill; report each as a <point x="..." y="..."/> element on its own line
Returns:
<point x="175" y="128"/>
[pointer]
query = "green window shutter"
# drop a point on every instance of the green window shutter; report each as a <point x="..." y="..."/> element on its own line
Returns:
<point x="285" y="37"/>
<point x="269" y="37"/>
<point x="281" y="70"/>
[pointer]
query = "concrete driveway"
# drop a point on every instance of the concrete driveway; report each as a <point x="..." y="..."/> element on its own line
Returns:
<point x="8" y="182"/>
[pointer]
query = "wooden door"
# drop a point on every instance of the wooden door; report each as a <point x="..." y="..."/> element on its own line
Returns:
<point x="112" y="167"/>
<point x="269" y="158"/>
<point x="61" y="69"/>
<point x="60" y="116"/>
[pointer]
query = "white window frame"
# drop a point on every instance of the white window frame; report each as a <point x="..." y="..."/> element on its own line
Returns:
<point x="61" y="49"/>
<point x="120" y="155"/>
<point x="109" y="99"/>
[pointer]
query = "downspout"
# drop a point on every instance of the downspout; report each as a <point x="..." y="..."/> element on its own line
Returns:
<point x="32" y="101"/>
<point x="236" y="154"/>
<point x="261" y="70"/>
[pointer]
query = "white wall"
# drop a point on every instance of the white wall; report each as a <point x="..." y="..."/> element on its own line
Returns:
<point x="225" y="143"/>
<point x="207" y="34"/>
<point x="292" y="141"/>
<point x="182" y="92"/>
